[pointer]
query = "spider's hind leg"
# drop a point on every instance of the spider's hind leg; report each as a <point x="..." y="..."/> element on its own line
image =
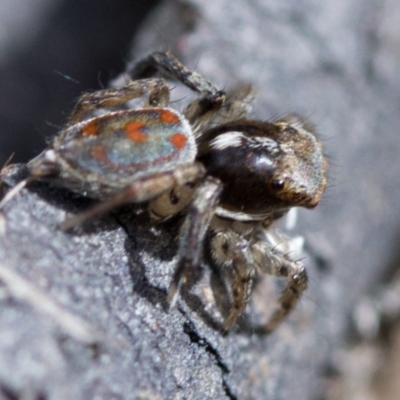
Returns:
<point x="142" y="190"/>
<point x="156" y="88"/>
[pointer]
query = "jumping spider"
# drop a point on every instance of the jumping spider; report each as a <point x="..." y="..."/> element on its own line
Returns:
<point x="230" y="176"/>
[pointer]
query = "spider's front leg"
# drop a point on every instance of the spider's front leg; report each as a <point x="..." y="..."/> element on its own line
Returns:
<point x="273" y="262"/>
<point x="232" y="251"/>
<point x="193" y="232"/>
<point x="242" y="283"/>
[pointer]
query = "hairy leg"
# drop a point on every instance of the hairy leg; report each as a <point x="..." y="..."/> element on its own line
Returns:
<point x="193" y="232"/>
<point x="271" y="261"/>
<point x="200" y="111"/>
<point x="158" y="97"/>
<point x="141" y="190"/>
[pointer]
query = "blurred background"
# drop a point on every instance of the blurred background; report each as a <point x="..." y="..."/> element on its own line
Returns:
<point x="50" y="52"/>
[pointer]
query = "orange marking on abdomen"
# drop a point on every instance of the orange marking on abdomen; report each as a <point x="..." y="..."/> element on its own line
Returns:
<point x="168" y="117"/>
<point x="90" y="129"/>
<point x="179" y="140"/>
<point x="133" y="131"/>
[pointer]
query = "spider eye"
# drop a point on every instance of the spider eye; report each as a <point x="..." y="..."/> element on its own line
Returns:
<point x="173" y="198"/>
<point x="277" y="184"/>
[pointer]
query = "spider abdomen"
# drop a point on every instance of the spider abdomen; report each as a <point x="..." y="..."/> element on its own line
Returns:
<point x="117" y="148"/>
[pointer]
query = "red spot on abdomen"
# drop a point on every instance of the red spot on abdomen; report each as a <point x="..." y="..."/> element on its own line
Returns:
<point x="90" y="129"/>
<point x="99" y="153"/>
<point x="179" y="140"/>
<point x="168" y="117"/>
<point x="133" y="132"/>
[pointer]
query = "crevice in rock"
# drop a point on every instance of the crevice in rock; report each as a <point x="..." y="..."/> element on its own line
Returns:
<point x="194" y="337"/>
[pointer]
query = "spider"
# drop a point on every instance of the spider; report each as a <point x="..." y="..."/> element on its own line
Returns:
<point x="228" y="175"/>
